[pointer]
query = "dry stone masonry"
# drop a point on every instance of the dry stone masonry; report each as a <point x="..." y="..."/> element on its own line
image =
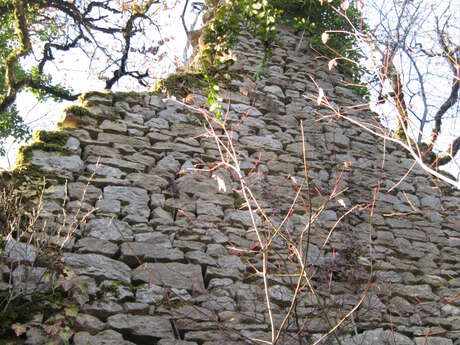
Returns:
<point x="164" y="247"/>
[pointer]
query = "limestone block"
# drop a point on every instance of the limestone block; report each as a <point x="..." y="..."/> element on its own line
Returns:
<point x="109" y="229"/>
<point x="103" y="338"/>
<point x="98" y="266"/>
<point x="55" y="162"/>
<point x="177" y="275"/>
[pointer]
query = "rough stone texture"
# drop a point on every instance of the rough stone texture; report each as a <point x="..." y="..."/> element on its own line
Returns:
<point x="108" y="337"/>
<point x="175" y="275"/>
<point x="169" y="254"/>
<point x="141" y="328"/>
<point x="57" y="163"/>
<point x="98" y="266"/>
<point x="16" y="252"/>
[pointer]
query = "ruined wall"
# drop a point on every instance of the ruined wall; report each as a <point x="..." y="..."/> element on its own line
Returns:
<point x="164" y="245"/>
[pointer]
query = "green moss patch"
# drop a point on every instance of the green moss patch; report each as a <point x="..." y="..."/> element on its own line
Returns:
<point x="79" y="111"/>
<point x="76" y="115"/>
<point x="96" y="97"/>
<point x="181" y="84"/>
<point x="49" y="141"/>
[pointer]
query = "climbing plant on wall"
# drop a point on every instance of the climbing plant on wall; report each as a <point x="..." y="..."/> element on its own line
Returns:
<point x="260" y="17"/>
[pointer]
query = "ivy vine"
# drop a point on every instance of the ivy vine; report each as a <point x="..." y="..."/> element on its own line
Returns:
<point x="260" y="17"/>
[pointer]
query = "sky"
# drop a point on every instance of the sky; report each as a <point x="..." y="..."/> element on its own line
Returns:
<point x="72" y="69"/>
<point x="437" y="77"/>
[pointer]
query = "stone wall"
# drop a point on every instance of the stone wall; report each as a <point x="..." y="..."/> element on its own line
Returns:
<point x="165" y="248"/>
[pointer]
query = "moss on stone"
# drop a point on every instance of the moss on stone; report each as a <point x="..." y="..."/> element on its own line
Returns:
<point x="49" y="141"/>
<point x="75" y="115"/>
<point x="96" y="98"/>
<point x="181" y="84"/>
<point x="101" y="94"/>
<point x="77" y="110"/>
<point x="239" y="201"/>
<point x="51" y="137"/>
<point x="121" y="95"/>
<point x="114" y="287"/>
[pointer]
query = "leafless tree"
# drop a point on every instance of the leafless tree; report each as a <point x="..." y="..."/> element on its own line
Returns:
<point x="413" y="71"/>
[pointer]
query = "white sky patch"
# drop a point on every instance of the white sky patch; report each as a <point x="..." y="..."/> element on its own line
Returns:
<point x="73" y="69"/>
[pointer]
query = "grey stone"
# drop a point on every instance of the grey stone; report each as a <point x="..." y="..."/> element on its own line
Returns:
<point x="245" y="109"/>
<point x="17" y="252"/>
<point x="156" y="101"/>
<point x="176" y="275"/>
<point x="134" y="200"/>
<point x="149" y="182"/>
<point x="261" y="142"/>
<point x="432" y="341"/>
<point x="122" y="139"/>
<point x="83" y="191"/>
<point x="73" y="144"/>
<point x="276" y="90"/>
<point x="89" y="323"/>
<point x="135" y="253"/>
<point x="175" y="342"/>
<point x="115" y="290"/>
<point x="108" y="337"/>
<point x="102" y="309"/>
<point x="150" y="293"/>
<point x="199" y="257"/>
<point x="215" y="249"/>
<point x="231" y="261"/>
<point x="431" y="202"/>
<point x="280" y="294"/>
<point x="338" y="138"/>
<point x="242" y="217"/>
<point x="56" y="162"/>
<point x="113" y="126"/>
<point x="109" y="229"/>
<point x="218" y="236"/>
<point x="168" y="163"/>
<point x="105" y="170"/>
<point x="172" y="116"/>
<point x="35" y="336"/>
<point x="157" y="200"/>
<point x="378" y="337"/>
<point x="217" y="283"/>
<point x="119" y="163"/>
<point x="29" y="279"/>
<point x="208" y="208"/>
<point x="98" y="266"/>
<point x="152" y="237"/>
<point x="399" y="306"/>
<point x="142" y="328"/>
<point x="96" y="246"/>
<point x="422" y="292"/>
<point x="136" y="308"/>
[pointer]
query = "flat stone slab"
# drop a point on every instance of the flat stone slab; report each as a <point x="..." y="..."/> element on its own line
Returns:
<point x="98" y="266"/>
<point x="16" y="252"/>
<point x="143" y="328"/>
<point x="242" y="217"/>
<point x="432" y="341"/>
<point x="89" y="245"/>
<point x="133" y="252"/>
<point x="109" y="229"/>
<point x="134" y="200"/>
<point x="378" y="336"/>
<point x="54" y="162"/>
<point x="175" y="275"/>
<point x="108" y="337"/>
